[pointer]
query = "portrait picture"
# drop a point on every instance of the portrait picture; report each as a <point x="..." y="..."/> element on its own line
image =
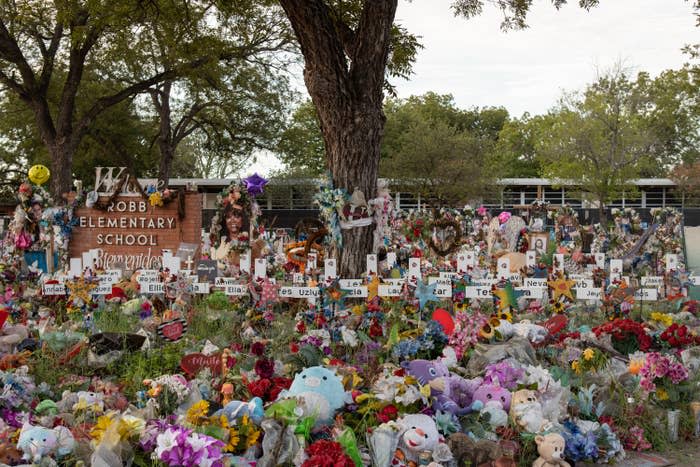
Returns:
<point x="538" y="242"/>
<point x="235" y="223"/>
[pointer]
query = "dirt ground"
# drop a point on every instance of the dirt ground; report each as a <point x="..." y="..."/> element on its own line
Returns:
<point x="684" y="454"/>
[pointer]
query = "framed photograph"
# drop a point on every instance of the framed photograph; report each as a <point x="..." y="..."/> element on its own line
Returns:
<point x="538" y="242"/>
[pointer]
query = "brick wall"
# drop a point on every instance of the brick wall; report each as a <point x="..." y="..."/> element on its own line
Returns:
<point x="133" y="227"/>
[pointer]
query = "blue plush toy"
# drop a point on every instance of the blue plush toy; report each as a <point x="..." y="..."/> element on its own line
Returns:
<point x="36" y="442"/>
<point x="237" y="409"/>
<point x="320" y="393"/>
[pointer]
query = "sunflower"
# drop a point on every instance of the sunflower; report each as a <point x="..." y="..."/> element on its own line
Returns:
<point x="197" y="414"/>
<point x="506" y="315"/>
<point x="488" y="330"/>
<point x="233" y="440"/>
<point x="558" y="307"/>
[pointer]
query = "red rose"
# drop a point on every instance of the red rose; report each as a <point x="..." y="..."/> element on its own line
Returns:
<point x="259" y="388"/>
<point x="257" y="349"/>
<point x="301" y="327"/>
<point x="387" y="413"/>
<point x="294" y="347"/>
<point x="265" y="368"/>
<point x="278" y="385"/>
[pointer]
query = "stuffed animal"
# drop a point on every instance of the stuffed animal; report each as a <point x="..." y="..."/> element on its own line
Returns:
<point x="532" y="332"/>
<point x="320" y="393"/>
<point x="418" y="434"/>
<point x="550" y="447"/>
<point x="36" y="442"/>
<point x="492" y="392"/>
<point x="88" y="400"/>
<point x="10" y="455"/>
<point x="526" y="412"/>
<point x="14" y="360"/>
<point x="466" y="451"/>
<point x="237" y="409"/>
<point x="11" y="335"/>
<point x="452" y="393"/>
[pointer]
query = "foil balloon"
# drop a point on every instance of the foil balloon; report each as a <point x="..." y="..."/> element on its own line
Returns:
<point x="39" y="174"/>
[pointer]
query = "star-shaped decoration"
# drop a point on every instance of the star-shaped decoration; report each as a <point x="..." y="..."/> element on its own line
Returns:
<point x="425" y="293"/>
<point x="373" y="288"/>
<point x="333" y="294"/>
<point x="255" y="184"/>
<point x="507" y="296"/>
<point x="561" y="288"/>
<point x="80" y="289"/>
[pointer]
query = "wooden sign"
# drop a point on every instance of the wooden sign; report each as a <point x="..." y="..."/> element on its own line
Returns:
<point x="172" y="330"/>
<point x="132" y="233"/>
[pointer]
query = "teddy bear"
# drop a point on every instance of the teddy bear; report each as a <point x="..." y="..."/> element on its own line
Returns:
<point x="452" y="393"/>
<point x="532" y="332"/>
<point x="526" y="411"/>
<point x="9" y="454"/>
<point x="36" y="442"/>
<point x="320" y="393"/>
<point x="550" y="447"/>
<point x="418" y="434"/>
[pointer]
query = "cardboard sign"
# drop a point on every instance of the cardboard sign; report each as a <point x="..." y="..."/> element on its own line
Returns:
<point x="153" y="288"/>
<point x="465" y="259"/>
<point x="260" y="268"/>
<point x="236" y="289"/>
<point x="671" y="262"/>
<point x="206" y="270"/>
<point x="503" y="268"/>
<point x="147" y="275"/>
<point x="531" y="282"/>
<point x="414" y="270"/>
<point x="53" y="289"/>
<point x="477" y="292"/>
<point x="330" y="271"/>
<point x="201" y="287"/>
<point x="390" y="259"/>
<point x="350" y="283"/>
<point x="173" y="330"/>
<point x="531" y="292"/>
<point x="299" y="292"/>
<point x="356" y="292"/>
<point x="244" y="262"/>
<point x="589" y="294"/>
<point x="102" y="289"/>
<point x="390" y="290"/>
<point x="600" y="260"/>
<point x="531" y="258"/>
<point x="371" y="264"/>
<point x="646" y="295"/>
<point x="652" y="281"/>
<point x="615" y="269"/>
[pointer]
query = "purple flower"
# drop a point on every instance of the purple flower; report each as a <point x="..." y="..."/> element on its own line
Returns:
<point x="11" y="417"/>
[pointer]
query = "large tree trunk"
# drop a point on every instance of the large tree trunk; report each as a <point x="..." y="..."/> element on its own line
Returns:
<point x="344" y="74"/>
<point x="61" y="171"/>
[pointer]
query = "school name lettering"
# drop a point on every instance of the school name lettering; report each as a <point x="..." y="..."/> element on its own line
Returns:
<point x="128" y="222"/>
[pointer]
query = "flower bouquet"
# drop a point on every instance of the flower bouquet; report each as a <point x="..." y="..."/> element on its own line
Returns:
<point x="664" y="379"/>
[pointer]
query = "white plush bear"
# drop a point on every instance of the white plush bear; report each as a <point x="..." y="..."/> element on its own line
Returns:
<point x="532" y="332"/>
<point x="419" y="433"/>
<point x="526" y="411"/>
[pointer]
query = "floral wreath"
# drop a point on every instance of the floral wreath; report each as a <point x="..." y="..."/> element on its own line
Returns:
<point x="234" y="193"/>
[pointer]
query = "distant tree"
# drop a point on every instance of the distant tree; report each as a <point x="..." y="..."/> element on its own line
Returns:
<point x="687" y="179"/>
<point x="439" y="151"/>
<point x="598" y="140"/>
<point x="516" y="148"/>
<point x="301" y="146"/>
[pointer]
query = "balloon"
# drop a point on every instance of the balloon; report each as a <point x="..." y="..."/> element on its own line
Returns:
<point x="39" y="174"/>
<point x="443" y="317"/>
<point x="255" y="184"/>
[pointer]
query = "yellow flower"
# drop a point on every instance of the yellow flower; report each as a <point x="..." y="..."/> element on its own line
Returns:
<point x="233" y="440"/>
<point x="576" y="366"/>
<point x="252" y="438"/>
<point x="156" y="199"/>
<point x="197" y="414"/>
<point x="661" y="394"/>
<point x="130" y="426"/>
<point x="101" y="427"/>
<point x="663" y="318"/>
<point x="588" y="354"/>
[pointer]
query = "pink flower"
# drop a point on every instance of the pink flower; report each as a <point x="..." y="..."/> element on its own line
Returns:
<point x="503" y="217"/>
<point x="482" y="211"/>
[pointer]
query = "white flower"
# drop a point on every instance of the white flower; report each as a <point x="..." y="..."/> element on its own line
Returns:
<point x="349" y="336"/>
<point x="165" y="442"/>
